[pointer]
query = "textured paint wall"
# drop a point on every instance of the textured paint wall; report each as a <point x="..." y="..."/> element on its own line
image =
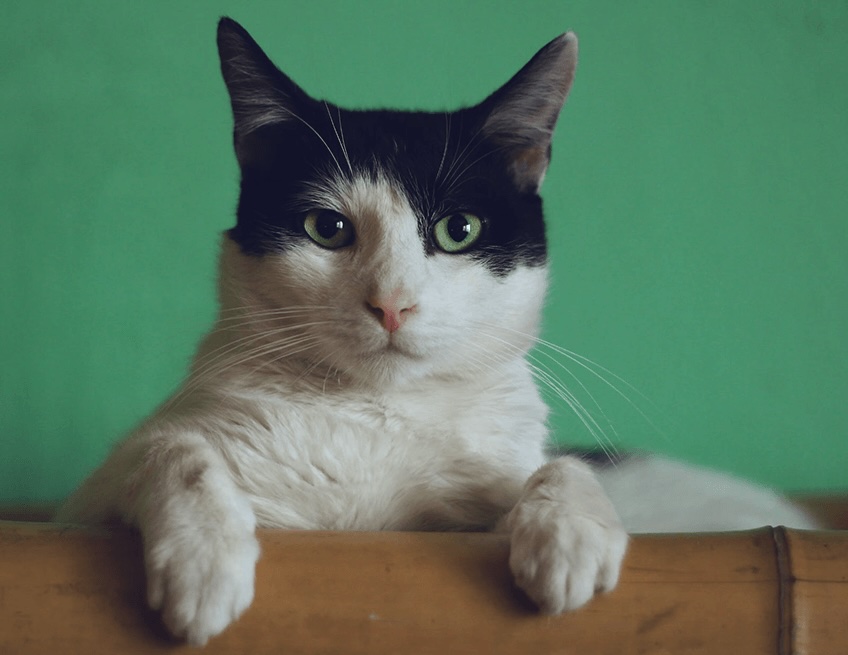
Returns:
<point x="697" y="201"/>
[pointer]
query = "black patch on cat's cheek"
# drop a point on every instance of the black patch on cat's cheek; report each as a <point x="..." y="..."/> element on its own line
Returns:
<point x="270" y="215"/>
<point x="502" y="261"/>
<point x="263" y="225"/>
<point x="514" y="231"/>
<point x="517" y="237"/>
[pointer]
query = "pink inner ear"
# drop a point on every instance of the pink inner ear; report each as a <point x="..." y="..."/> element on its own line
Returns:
<point x="529" y="166"/>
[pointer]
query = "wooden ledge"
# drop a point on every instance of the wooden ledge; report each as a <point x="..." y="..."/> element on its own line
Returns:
<point x="773" y="591"/>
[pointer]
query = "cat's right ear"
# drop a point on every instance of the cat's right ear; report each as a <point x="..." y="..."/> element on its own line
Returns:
<point x="260" y="93"/>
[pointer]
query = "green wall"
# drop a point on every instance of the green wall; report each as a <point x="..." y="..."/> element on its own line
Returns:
<point x="697" y="202"/>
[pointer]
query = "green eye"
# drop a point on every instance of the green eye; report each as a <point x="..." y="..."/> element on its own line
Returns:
<point x="328" y="229"/>
<point x="457" y="232"/>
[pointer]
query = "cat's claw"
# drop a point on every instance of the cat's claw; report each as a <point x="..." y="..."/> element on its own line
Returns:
<point x="567" y="542"/>
<point x="201" y="585"/>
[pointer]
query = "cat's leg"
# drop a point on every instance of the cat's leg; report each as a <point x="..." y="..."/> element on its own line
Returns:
<point x="566" y="539"/>
<point x="200" y="548"/>
<point x="198" y="528"/>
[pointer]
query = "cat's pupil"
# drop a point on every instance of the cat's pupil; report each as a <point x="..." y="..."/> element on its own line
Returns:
<point x="328" y="225"/>
<point x="459" y="228"/>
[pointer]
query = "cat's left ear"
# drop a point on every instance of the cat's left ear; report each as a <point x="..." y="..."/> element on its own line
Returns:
<point x="522" y="114"/>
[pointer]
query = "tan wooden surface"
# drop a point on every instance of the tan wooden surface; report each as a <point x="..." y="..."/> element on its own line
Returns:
<point x="766" y="591"/>
<point x="818" y="592"/>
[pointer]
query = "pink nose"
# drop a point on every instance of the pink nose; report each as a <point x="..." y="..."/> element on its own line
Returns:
<point x="391" y="312"/>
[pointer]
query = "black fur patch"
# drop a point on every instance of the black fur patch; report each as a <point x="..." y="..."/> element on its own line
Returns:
<point x="441" y="173"/>
<point x="288" y="142"/>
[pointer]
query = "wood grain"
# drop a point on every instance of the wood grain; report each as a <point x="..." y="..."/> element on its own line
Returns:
<point x="769" y="591"/>
<point x="818" y="591"/>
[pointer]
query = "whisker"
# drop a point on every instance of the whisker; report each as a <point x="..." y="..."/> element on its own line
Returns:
<point x="578" y="409"/>
<point x="316" y="133"/>
<point x="587" y="364"/>
<point x="250" y="318"/>
<point x="252" y="307"/>
<point x="547" y="378"/>
<point x="447" y="140"/>
<point x="241" y="356"/>
<point x="308" y="340"/>
<point x="330" y="370"/>
<point x="338" y="138"/>
<point x="461" y="173"/>
<point x="452" y="176"/>
<point x="310" y="369"/>
<point x="223" y="362"/>
<point x="207" y="360"/>
<point x="583" y="387"/>
<point x="542" y="373"/>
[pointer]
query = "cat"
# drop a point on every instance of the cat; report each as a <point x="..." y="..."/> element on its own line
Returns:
<point x="379" y="294"/>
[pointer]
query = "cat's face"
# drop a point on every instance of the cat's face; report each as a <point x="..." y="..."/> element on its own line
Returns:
<point x="390" y="245"/>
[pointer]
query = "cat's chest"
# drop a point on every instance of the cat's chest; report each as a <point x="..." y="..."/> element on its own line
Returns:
<point x="391" y="460"/>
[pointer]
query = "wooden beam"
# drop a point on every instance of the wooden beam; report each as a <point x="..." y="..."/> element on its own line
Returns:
<point x="770" y="591"/>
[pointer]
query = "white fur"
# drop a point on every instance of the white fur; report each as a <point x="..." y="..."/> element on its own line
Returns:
<point x="303" y="412"/>
<point x="567" y="541"/>
<point x="655" y="494"/>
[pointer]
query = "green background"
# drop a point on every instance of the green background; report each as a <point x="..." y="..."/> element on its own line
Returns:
<point x="697" y="202"/>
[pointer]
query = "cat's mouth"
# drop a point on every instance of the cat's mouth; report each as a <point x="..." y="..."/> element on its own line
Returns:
<point x="396" y="348"/>
<point x="393" y="348"/>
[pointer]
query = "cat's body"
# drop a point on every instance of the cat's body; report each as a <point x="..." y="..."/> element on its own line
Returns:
<point x="379" y="294"/>
<point x="311" y="452"/>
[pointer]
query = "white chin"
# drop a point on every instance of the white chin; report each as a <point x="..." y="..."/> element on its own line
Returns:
<point x="389" y="364"/>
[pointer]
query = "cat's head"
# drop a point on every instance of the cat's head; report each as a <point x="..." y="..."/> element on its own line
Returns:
<point x="390" y="245"/>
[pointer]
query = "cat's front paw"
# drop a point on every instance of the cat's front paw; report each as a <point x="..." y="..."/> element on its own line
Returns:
<point x="202" y="582"/>
<point x="567" y="542"/>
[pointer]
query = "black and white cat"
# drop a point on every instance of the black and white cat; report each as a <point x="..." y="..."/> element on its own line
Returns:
<point x="379" y="294"/>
